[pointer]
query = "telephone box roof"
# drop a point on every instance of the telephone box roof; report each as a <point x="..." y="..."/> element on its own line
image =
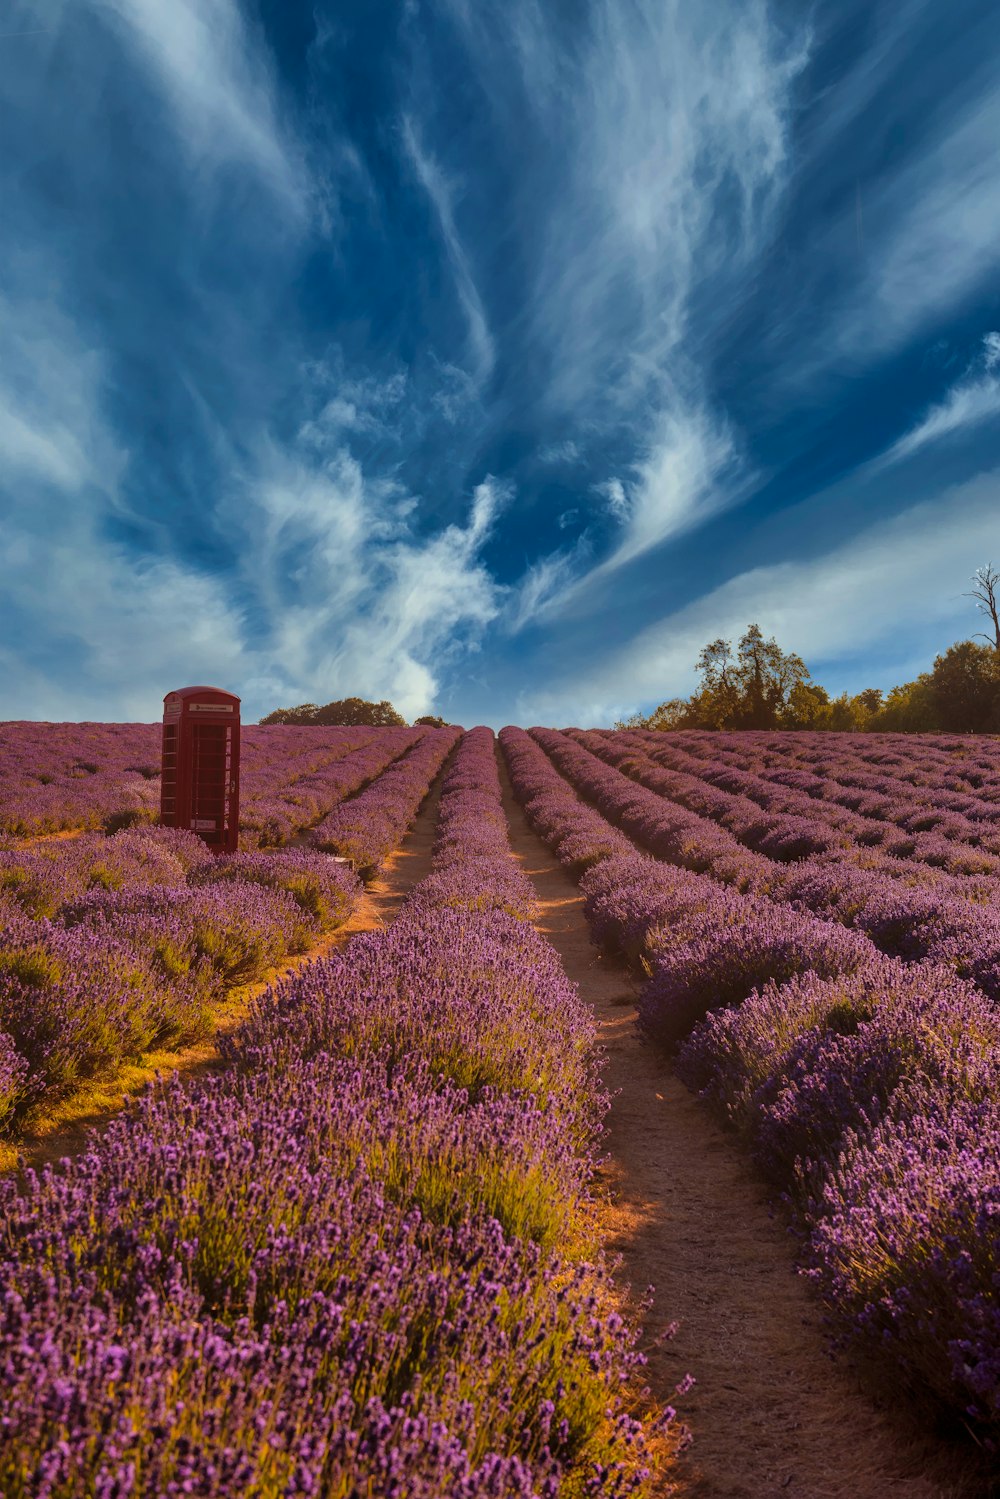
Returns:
<point x="186" y="692"/>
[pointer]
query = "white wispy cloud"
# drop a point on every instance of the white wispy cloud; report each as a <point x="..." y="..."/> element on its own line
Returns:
<point x="441" y="194"/>
<point x="670" y="122"/>
<point x="336" y="593"/>
<point x="660" y="151"/>
<point x="218" y="82"/>
<point x="328" y="574"/>
<point x="50" y="384"/>
<point x="904" y="576"/>
<point x="566" y="451"/>
<point x="973" y="399"/>
<point x="127" y="630"/>
<point x="929" y="238"/>
<point x="544" y="580"/>
<point x="356" y="405"/>
<point x="676" y="486"/>
<point x="965" y="405"/>
<point x="613" y="492"/>
<point x="455" y="393"/>
<point x="689" y="473"/>
<point x="374" y="602"/>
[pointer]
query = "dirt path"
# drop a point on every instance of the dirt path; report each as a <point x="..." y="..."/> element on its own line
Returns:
<point x="771" y="1414"/>
<point x="72" y="1124"/>
<point x="60" y="837"/>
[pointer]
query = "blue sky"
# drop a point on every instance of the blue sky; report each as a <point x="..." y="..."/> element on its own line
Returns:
<point x="490" y="355"/>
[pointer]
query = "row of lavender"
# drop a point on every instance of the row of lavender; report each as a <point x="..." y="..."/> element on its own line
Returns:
<point x="365" y="828"/>
<point x="867" y="1088"/>
<point x="286" y="787"/>
<point x="112" y="946"/>
<point x="473" y="869"/>
<point x="905" y="909"/>
<point x="356" y="803"/>
<point x="961" y="774"/>
<point x="842" y="800"/>
<point x="788" y="827"/>
<point x="57" y="777"/>
<point x="357" y="1261"/>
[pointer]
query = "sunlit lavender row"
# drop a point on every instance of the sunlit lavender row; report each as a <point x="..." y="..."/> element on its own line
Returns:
<point x="112" y="947"/>
<point x="842" y="1017"/>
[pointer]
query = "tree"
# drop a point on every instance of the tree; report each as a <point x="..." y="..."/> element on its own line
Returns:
<point x="635" y="721"/>
<point x="759" y="687"/>
<point x="854" y="715"/>
<point x="352" y="712"/>
<point x="808" y="707"/>
<point x="430" y="722"/>
<point x="717" y="700"/>
<point x="843" y="719"/>
<point x="304" y="713"/>
<point x="869" y="702"/>
<point x="965" y="687"/>
<point x="765" y="677"/>
<point x="751" y="690"/>
<point x="985" y="585"/>
<point x="907" y="709"/>
<point x="674" y="714"/>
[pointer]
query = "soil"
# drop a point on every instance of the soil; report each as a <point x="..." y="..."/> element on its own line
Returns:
<point x="59" y="837"/>
<point x="70" y="1127"/>
<point x="771" y="1413"/>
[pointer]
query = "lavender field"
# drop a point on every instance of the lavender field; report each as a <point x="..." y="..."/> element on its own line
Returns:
<point x="365" y="1256"/>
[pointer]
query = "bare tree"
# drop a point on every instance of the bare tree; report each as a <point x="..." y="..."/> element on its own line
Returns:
<point x="985" y="590"/>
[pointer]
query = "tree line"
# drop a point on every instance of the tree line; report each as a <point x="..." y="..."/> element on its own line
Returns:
<point x="350" y="712"/>
<point x="760" y="686"/>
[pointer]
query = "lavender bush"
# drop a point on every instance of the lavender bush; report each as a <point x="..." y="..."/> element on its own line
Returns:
<point x="904" y="1249"/>
<point x="241" y="929"/>
<point x="106" y="776"/>
<point x="44" y="878"/>
<point x="76" y="1005"/>
<point x="260" y="1311"/>
<point x="323" y="889"/>
<point x="473" y="870"/>
<point x="801" y="1065"/>
<point x="718" y="965"/>
<point x="111" y="946"/>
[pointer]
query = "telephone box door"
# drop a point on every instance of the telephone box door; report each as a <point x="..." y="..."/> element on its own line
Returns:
<point x="200" y="771"/>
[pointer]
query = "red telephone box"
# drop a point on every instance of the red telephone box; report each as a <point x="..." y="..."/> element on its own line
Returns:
<point x="200" y="771"/>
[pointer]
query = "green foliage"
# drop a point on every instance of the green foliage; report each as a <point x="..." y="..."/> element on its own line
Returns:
<point x="808" y="706"/>
<point x="348" y="712"/>
<point x="431" y="722"/>
<point x="33" y="967"/>
<point x="965" y="688"/>
<point x="760" y="686"/>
